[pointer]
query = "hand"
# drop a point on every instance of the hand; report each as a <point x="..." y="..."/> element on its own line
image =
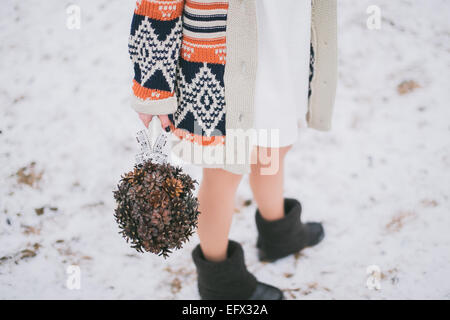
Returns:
<point x="164" y="118"/>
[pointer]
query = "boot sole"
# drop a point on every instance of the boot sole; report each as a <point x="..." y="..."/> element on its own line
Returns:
<point x="261" y="292"/>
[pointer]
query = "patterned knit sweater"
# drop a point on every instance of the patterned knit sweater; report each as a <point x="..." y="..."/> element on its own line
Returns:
<point x="178" y="48"/>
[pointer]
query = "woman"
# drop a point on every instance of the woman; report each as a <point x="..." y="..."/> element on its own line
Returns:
<point x="229" y="79"/>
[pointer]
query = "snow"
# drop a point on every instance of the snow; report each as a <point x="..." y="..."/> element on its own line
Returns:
<point x="379" y="181"/>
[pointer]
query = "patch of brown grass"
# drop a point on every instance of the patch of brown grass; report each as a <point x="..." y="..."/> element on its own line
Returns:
<point x="175" y="285"/>
<point x="28" y="230"/>
<point x="398" y="221"/>
<point x="407" y="87"/>
<point x="182" y="272"/>
<point x="429" y="203"/>
<point x="310" y="288"/>
<point x="30" y="252"/>
<point x="391" y="275"/>
<point x="28" y="175"/>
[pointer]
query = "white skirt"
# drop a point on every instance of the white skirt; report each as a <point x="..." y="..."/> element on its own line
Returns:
<point x="282" y="76"/>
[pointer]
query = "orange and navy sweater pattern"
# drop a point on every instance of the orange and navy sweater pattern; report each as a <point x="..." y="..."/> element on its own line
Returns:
<point x="178" y="48"/>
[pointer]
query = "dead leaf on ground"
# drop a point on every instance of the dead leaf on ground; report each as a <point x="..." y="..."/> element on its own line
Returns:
<point x="398" y="221"/>
<point x="391" y="275"/>
<point x="40" y="211"/>
<point x="27" y="253"/>
<point x="407" y="87"/>
<point x="175" y="285"/>
<point x="179" y="272"/>
<point x="18" y="99"/>
<point x="312" y="285"/>
<point x="93" y="205"/>
<point x="4" y="259"/>
<point x="429" y="203"/>
<point x="28" y="175"/>
<point x="66" y="252"/>
<point x="291" y="292"/>
<point x="31" y="230"/>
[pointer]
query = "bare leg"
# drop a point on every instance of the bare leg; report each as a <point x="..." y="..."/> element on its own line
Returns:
<point x="268" y="188"/>
<point x="216" y="206"/>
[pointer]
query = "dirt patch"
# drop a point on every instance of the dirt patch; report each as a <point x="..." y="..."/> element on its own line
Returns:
<point x="28" y="175"/>
<point x="398" y="221"/>
<point x="307" y="290"/>
<point x="407" y="87"/>
<point x="30" y="251"/>
<point x="429" y="203"/>
<point x="175" y="286"/>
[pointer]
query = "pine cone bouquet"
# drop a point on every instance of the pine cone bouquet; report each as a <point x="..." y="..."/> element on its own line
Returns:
<point x="156" y="209"/>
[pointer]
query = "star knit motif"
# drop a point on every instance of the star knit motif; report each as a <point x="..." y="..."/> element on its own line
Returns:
<point x="204" y="97"/>
<point x="152" y="54"/>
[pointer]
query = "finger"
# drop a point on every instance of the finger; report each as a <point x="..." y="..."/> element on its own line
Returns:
<point x="145" y="118"/>
<point x="165" y="122"/>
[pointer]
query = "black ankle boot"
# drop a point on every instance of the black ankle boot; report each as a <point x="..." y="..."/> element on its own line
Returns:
<point x="230" y="279"/>
<point x="280" y="238"/>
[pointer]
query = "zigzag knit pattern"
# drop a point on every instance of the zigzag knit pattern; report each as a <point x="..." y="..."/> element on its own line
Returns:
<point x="154" y="47"/>
<point x="179" y="47"/>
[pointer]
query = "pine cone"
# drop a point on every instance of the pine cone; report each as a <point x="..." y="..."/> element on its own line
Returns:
<point x="156" y="210"/>
<point x="173" y="187"/>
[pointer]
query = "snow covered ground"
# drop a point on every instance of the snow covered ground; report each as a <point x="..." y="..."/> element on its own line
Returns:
<point x="379" y="181"/>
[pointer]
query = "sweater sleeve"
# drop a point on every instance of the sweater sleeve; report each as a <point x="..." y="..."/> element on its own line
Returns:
<point x="154" y="47"/>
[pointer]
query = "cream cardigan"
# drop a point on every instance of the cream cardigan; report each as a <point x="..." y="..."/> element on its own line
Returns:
<point x="232" y="88"/>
